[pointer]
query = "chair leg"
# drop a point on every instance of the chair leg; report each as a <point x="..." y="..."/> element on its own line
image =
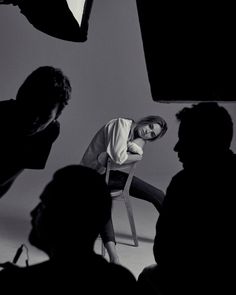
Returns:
<point x="131" y="219"/>
<point x="103" y="250"/>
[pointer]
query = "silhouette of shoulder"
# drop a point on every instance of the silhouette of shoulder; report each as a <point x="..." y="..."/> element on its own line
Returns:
<point x="94" y="275"/>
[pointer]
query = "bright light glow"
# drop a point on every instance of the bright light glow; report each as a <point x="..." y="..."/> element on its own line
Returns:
<point x="77" y="9"/>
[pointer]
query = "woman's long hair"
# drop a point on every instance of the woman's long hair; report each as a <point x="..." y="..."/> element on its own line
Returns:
<point x="151" y="120"/>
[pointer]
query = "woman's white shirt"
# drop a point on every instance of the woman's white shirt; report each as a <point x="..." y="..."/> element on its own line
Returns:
<point x="111" y="140"/>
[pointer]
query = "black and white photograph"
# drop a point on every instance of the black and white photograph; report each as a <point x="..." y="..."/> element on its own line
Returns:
<point x="117" y="150"/>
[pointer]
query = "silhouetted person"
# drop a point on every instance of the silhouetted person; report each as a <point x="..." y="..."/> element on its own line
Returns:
<point x="195" y="245"/>
<point x="74" y="207"/>
<point x="28" y="124"/>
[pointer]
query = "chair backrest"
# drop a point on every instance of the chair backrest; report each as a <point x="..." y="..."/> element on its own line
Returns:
<point x="130" y="169"/>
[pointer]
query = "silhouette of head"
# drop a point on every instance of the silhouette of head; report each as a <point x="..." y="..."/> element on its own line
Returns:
<point x="73" y="209"/>
<point x="205" y="131"/>
<point x="41" y="98"/>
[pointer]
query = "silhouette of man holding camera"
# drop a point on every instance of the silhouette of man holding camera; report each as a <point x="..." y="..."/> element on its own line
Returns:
<point x="29" y="125"/>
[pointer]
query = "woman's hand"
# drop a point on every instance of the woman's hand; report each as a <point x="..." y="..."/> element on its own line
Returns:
<point x="140" y="142"/>
<point x="133" y="158"/>
<point x="133" y="148"/>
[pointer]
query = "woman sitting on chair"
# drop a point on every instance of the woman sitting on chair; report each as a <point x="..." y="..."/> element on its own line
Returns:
<point x="123" y="140"/>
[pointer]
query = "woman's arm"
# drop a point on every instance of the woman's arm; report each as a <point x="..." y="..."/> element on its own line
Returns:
<point x="117" y="149"/>
<point x="140" y="142"/>
<point x="133" y="158"/>
<point x="136" y="146"/>
<point x="117" y="138"/>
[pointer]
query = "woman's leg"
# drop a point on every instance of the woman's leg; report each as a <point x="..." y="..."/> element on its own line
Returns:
<point x="108" y="239"/>
<point x="145" y="191"/>
<point x="138" y="189"/>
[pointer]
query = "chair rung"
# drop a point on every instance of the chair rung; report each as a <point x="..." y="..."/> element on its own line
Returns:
<point x="116" y="193"/>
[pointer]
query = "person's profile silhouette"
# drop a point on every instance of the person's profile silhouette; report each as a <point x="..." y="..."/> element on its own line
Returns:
<point x="29" y="124"/>
<point x="194" y="244"/>
<point x="73" y="209"/>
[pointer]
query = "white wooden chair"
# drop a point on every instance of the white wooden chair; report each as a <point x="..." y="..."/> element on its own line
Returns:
<point x="123" y="194"/>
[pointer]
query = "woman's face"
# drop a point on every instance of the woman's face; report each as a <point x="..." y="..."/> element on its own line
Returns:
<point x="149" y="131"/>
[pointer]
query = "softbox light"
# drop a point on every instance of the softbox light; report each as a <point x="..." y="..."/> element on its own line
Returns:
<point x="189" y="49"/>
<point x="63" y="19"/>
